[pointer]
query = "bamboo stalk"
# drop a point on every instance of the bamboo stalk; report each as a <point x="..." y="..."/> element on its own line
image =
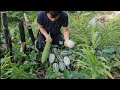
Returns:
<point x="22" y="36"/>
<point x="31" y="34"/>
<point x="0" y="30"/>
<point x="29" y="29"/>
<point x="4" y="21"/>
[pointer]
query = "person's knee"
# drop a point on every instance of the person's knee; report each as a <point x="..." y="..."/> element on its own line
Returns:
<point x="58" y="40"/>
<point x="40" y="42"/>
<point x="42" y="45"/>
<point x="61" y="43"/>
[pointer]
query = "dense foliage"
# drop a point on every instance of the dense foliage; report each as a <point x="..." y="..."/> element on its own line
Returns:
<point x="96" y="54"/>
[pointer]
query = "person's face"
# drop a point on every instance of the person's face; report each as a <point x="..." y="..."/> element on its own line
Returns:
<point x="52" y="19"/>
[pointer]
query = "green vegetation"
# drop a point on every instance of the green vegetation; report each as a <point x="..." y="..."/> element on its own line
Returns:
<point x="96" y="54"/>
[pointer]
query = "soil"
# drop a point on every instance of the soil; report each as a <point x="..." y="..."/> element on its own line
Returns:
<point x="41" y="72"/>
<point x="116" y="75"/>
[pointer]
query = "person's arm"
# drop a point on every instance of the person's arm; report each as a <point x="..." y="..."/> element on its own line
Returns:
<point x="66" y="35"/>
<point x="40" y="21"/>
<point x="44" y="32"/>
<point x="65" y="29"/>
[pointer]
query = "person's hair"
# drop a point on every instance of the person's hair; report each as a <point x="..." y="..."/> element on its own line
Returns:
<point x="54" y="13"/>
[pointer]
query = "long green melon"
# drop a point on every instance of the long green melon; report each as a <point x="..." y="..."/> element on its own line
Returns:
<point x="46" y="51"/>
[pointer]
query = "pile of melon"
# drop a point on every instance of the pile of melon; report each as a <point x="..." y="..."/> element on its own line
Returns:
<point x="59" y="61"/>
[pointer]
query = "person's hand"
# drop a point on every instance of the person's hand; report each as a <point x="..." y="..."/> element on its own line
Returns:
<point x="65" y="44"/>
<point x="49" y="38"/>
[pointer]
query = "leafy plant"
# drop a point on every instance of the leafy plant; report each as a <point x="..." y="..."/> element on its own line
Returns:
<point x="96" y="65"/>
<point x="96" y="54"/>
<point x="17" y="71"/>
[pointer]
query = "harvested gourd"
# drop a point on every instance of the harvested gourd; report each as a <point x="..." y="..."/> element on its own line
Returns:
<point x="66" y="61"/>
<point x="62" y="66"/>
<point x="55" y="67"/>
<point x="64" y="53"/>
<point x="55" y="51"/>
<point x="46" y="50"/>
<point x="51" y="58"/>
<point x="70" y="43"/>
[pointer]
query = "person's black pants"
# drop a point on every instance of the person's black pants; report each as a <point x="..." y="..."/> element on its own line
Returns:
<point x="56" y="40"/>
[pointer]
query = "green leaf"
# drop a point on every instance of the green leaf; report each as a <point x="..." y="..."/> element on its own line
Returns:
<point x="107" y="73"/>
<point x="94" y="75"/>
<point x="108" y="50"/>
<point x="105" y="66"/>
<point x="99" y="71"/>
<point x="97" y="42"/>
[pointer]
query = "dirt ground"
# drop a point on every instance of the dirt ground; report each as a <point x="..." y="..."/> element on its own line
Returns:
<point x="116" y="75"/>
